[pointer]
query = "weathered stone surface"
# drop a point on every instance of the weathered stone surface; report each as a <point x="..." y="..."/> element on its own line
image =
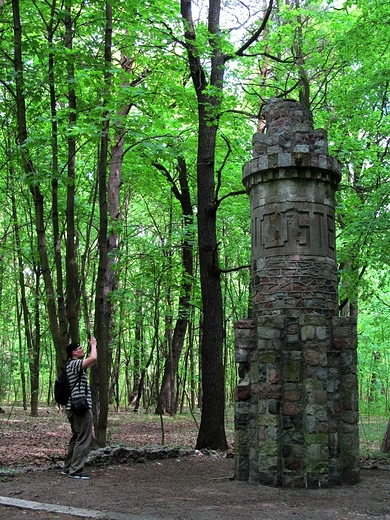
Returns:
<point x="124" y="455"/>
<point x="242" y="393"/>
<point x="297" y="357"/>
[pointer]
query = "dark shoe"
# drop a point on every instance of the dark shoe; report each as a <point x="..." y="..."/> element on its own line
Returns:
<point x="65" y="473"/>
<point x="83" y="476"/>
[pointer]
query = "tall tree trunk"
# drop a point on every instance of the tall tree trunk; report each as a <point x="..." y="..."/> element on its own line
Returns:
<point x="114" y="185"/>
<point x="145" y="364"/>
<point x="72" y="277"/>
<point x="212" y="428"/>
<point x="62" y="318"/>
<point x="33" y="354"/>
<point x="166" y="400"/>
<point x="101" y="329"/>
<point x="385" y="446"/>
<point x="304" y="85"/>
<point x="21" y="353"/>
<point x="138" y="351"/>
<point x="34" y="188"/>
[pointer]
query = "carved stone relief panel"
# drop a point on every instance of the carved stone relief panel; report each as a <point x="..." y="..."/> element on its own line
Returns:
<point x="290" y="229"/>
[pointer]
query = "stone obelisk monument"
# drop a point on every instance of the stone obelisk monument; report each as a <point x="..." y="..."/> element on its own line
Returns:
<point x="296" y="412"/>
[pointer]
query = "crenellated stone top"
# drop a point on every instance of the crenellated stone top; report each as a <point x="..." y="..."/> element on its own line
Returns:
<point x="290" y="147"/>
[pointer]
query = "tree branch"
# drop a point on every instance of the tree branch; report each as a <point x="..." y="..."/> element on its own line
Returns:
<point x="231" y="194"/>
<point x="255" y="36"/>
<point x="233" y="269"/>
<point x="346" y="300"/>
<point x="197" y="72"/>
<point x="382" y="301"/>
<point x="271" y="57"/>
<point x="241" y="113"/>
<point x="169" y="178"/>
<point x="7" y="86"/>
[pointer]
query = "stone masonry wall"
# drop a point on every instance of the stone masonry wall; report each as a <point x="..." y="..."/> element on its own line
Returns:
<point x="296" y="403"/>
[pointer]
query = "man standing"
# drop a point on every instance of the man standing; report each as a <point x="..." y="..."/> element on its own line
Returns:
<point x="81" y="425"/>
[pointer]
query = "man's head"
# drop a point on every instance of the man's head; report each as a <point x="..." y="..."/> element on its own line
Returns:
<point x="74" y="351"/>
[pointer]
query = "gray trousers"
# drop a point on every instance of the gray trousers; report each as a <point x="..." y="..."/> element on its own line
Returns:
<point x="80" y="442"/>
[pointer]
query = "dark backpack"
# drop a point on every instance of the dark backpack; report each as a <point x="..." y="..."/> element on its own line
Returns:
<point x="61" y="387"/>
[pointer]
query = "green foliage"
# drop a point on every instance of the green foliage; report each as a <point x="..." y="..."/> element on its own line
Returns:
<point x="374" y="333"/>
<point x="343" y="53"/>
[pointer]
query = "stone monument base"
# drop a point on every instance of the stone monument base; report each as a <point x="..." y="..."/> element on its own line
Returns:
<point x="296" y="410"/>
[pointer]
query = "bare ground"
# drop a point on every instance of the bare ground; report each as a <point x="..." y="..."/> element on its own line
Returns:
<point x="194" y="487"/>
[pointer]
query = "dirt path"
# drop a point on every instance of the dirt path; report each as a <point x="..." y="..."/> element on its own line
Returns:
<point x="193" y="488"/>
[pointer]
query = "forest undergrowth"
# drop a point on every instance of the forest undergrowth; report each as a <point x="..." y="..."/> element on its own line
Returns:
<point x="41" y="441"/>
<point x="27" y="441"/>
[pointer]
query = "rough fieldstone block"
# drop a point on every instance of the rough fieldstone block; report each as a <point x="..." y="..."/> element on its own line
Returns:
<point x="292" y="395"/>
<point x="242" y="393"/>
<point x="266" y="332"/>
<point x="322" y="161"/>
<point x="262" y="162"/>
<point x="310" y="424"/>
<point x="307" y="333"/>
<point x="259" y="138"/>
<point x="241" y="355"/>
<point x="241" y="468"/>
<point x="292" y="372"/>
<point x="285" y="159"/>
<point x="302" y="159"/>
<point x="321" y="333"/>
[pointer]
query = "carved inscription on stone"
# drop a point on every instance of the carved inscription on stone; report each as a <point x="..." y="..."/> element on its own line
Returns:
<point x="293" y="230"/>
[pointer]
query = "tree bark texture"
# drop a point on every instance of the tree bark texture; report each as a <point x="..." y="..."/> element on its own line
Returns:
<point x="385" y="446"/>
<point x="101" y="319"/>
<point x="166" y="400"/>
<point x="72" y="276"/>
<point x="34" y="188"/>
<point x="62" y="318"/>
<point x="113" y="204"/>
<point x="212" y="428"/>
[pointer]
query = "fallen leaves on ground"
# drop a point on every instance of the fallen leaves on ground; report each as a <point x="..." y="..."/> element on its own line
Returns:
<point x="27" y="441"/>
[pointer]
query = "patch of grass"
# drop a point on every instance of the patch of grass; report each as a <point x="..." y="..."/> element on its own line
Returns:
<point x="371" y="431"/>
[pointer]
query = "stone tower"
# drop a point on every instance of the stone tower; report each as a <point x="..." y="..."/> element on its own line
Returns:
<point x="296" y="413"/>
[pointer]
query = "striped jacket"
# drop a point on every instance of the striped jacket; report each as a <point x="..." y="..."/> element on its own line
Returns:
<point x="79" y="387"/>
